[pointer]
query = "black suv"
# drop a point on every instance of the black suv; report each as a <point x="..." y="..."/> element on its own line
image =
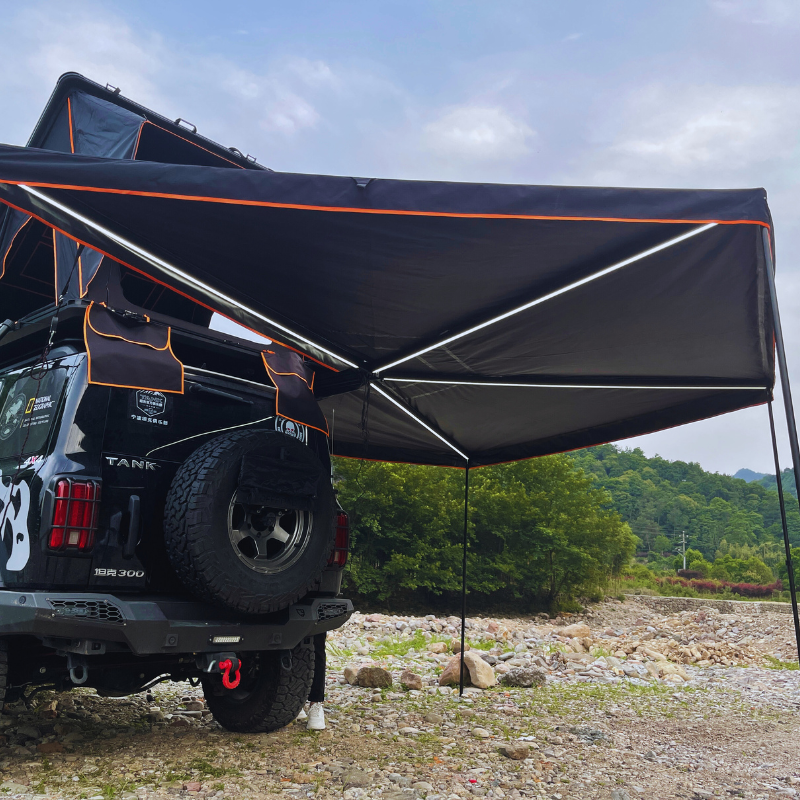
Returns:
<point x="150" y="534"/>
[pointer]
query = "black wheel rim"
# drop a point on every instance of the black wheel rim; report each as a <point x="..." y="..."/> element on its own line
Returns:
<point x="268" y="540"/>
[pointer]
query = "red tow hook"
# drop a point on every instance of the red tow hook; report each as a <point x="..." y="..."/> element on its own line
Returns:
<point x="226" y="666"/>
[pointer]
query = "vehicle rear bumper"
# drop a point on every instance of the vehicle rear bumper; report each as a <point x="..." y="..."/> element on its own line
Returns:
<point x="163" y="625"/>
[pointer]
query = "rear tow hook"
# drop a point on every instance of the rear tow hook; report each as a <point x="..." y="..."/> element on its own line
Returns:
<point x="225" y="663"/>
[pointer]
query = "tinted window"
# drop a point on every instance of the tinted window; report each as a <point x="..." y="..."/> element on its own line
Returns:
<point x="29" y="402"/>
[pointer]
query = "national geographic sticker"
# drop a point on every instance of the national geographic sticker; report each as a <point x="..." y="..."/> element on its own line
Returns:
<point x="152" y="408"/>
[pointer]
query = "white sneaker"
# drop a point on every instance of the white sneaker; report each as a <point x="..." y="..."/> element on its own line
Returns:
<point x="316" y="717"/>
<point x="302" y="715"/>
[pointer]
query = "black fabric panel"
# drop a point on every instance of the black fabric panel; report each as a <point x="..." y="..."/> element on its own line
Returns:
<point x="693" y="310"/>
<point x="103" y="129"/>
<point x="294" y="398"/>
<point x="157" y="144"/>
<point x="58" y="137"/>
<point x="10" y="230"/>
<point x="278" y="482"/>
<point x="383" y="433"/>
<point x="123" y="353"/>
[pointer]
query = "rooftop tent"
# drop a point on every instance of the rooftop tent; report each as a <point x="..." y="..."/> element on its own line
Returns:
<point x="486" y="322"/>
<point x="87" y="119"/>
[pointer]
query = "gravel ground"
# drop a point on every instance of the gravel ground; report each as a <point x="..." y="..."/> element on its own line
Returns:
<point x="632" y="704"/>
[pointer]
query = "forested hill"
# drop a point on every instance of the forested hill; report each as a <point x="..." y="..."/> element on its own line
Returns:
<point x="787" y="479"/>
<point x="717" y="512"/>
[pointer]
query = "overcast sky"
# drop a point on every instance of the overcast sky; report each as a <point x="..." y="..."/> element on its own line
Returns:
<point x="702" y="93"/>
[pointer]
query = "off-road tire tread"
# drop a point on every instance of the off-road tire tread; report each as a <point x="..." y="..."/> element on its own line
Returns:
<point x="274" y="704"/>
<point x="183" y="529"/>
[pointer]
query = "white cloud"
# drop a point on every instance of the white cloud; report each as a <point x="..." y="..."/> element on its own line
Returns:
<point x="686" y="135"/>
<point x="572" y="37"/>
<point x="478" y="133"/>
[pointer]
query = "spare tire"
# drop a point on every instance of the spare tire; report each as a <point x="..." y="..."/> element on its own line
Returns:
<point x="249" y="521"/>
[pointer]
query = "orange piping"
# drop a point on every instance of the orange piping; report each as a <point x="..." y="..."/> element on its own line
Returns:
<point x="69" y="117"/>
<point x="380" y="211"/>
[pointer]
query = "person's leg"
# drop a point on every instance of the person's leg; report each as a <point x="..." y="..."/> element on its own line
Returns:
<point x="316" y="697"/>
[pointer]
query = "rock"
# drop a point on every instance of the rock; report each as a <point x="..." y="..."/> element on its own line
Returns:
<point x="193" y="786"/>
<point x="481" y="733"/>
<point x="515" y="750"/>
<point x="411" y="680"/>
<point x="524" y="677"/>
<point x="194" y="705"/>
<point x="29" y="732"/>
<point x="577" y="630"/>
<point x="452" y="671"/>
<point x="13" y="788"/>
<point x="437" y="647"/>
<point x="374" y="678"/>
<point x="423" y="787"/>
<point x="355" y="778"/>
<point x="489" y="659"/>
<point x="433" y="718"/>
<point x="480" y="673"/>
<point x="455" y="646"/>
<point x="351" y="675"/>
<point x="50" y="747"/>
<point x="156" y="714"/>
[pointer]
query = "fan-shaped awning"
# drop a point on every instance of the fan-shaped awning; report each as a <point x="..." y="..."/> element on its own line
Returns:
<point x="486" y="322"/>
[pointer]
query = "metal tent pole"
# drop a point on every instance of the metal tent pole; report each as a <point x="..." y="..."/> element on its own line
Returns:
<point x="789" y="408"/>
<point x="789" y="567"/>
<point x="464" y="582"/>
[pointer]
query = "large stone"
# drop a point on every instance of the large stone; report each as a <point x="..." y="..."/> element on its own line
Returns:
<point x="452" y="671"/>
<point x="355" y="778"/>
<point x="515" y="750"/>
<point x="481" y="674"/>
<point x="524" y="677"/>
<point x="455" y="646"/>
<point x="437" y="647"/>
<point x="351" y="675"/>
<point x="374" y="678"/>
<point x="577" y="630"/>
<point x="411" y="680"/>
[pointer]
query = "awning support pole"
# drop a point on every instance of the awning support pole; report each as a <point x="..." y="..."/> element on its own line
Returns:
<point x="789" y="566"/>
<point x="790" y="420"/>
<point x="464" y="582"/>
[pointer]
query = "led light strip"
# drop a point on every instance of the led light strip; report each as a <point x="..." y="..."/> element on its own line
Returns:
<point x="549" y="296"/>
<point x="418" y="420"/>
<point x="158" y="262"/>
<point x="457" y="382"/>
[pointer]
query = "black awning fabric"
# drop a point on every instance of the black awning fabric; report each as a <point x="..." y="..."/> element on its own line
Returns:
<point x="479" y="321"/>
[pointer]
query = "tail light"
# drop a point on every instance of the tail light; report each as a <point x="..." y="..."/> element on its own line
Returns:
<point x="75" y="515"/>
<point x="342" y="542"/>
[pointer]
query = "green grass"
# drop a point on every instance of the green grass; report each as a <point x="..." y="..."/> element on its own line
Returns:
<point x="776" y="663"/>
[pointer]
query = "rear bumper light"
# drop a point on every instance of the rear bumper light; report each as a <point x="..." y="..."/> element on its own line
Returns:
<point x="75" y="513"/>
<point x="341" y="545"/>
